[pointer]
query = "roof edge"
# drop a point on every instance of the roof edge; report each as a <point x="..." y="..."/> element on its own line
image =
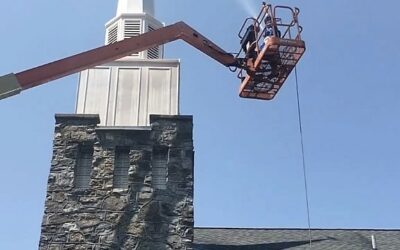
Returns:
<point x="305" y="229"/>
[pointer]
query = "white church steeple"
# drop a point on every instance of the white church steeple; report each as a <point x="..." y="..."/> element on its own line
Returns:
<point x="127" y="91"/>
<point x="134" y="17"/>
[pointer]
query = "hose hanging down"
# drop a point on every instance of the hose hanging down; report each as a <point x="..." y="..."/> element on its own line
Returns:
<point x="303" y="158"/>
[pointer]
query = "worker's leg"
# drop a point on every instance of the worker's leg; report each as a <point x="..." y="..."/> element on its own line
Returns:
<point x="275" y="62"/>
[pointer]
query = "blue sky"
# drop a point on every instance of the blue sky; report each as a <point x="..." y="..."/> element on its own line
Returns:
<point x="248" y="162"/>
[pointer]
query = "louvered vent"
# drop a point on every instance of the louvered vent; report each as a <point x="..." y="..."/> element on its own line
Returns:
<point x="121" y="168"/>
<point x="112" y="34"/>
<point x="132" y="28"/>
<point x="159" y="169"/>
<point x="153" y="53"/>
<point x="83" y="168"/>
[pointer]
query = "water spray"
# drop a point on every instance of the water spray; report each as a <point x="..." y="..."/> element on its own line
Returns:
<point x="249" y="7"/>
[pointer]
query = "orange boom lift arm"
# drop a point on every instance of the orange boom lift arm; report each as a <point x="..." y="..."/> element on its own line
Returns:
<point x="13" y="84"/>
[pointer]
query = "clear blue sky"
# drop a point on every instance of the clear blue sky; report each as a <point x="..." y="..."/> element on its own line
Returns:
<point x="248" y="161"/>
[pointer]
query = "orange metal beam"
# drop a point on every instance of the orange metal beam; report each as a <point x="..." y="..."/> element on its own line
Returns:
<point x="73" y="64"/>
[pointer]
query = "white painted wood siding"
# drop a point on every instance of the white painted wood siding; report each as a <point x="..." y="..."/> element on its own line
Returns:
<point x="125" y="93"/>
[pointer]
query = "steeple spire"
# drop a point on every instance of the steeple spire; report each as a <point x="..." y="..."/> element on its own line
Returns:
<point x="135" y="7"/>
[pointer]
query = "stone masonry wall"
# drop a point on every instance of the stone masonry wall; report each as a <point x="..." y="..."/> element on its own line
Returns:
<point x="103" y="217"/>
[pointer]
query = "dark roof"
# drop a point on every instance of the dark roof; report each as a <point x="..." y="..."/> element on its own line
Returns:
<point x="294" y="239"/>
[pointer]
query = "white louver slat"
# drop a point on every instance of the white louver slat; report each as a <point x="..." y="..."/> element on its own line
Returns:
<point x="153" y="53"/>
<point x="112" y="34"/>
<point x="132" y="28"/>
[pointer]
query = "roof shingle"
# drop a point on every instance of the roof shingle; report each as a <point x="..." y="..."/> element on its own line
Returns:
<point x="293" y="239"/>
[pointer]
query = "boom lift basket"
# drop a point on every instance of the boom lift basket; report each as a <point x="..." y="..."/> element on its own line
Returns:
<point x="269" y="59"/>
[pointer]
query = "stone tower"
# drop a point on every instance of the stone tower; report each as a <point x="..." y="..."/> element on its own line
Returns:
<point x="121" y="175"/>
